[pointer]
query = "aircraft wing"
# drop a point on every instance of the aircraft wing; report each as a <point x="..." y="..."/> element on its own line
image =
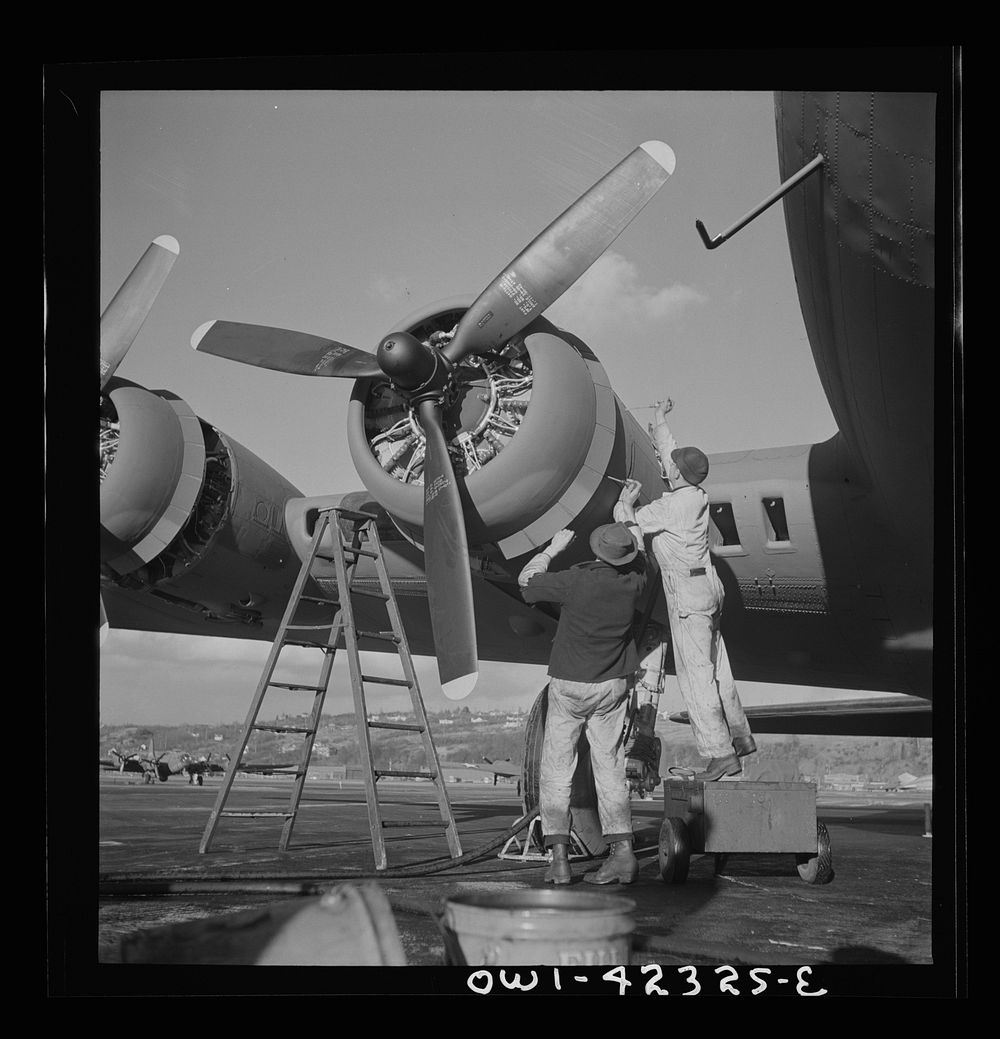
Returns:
<point x="500" y="768"/>
<point x="881" y="716"/>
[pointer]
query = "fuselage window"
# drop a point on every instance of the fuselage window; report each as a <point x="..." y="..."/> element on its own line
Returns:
<point x="774" y="508"/>
<point x="725" y="522"/>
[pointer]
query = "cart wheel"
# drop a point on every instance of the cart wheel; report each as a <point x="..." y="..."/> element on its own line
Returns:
<point x="675" y="850"/>
<point x="818" y="868"/>
<point x="721" y="861"/>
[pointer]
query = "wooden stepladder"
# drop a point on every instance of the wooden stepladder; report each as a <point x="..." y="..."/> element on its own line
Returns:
<point x="354" y="536"/>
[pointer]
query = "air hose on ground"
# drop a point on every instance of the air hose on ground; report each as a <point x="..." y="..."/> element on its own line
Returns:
<point x="131" y="887"/>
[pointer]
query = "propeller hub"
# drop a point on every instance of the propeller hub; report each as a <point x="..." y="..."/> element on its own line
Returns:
<point x="410" y="364"/>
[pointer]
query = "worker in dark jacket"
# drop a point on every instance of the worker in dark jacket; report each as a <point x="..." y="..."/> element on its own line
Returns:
<point x="593" y="656"/>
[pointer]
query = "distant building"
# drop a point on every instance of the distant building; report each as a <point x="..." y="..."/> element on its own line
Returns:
<point x="844" y="781"/>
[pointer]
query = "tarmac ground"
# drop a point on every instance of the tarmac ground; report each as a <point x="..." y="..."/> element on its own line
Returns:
<point x="159" y="898"/>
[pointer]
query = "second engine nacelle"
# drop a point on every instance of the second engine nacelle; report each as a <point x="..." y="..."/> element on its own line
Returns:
<point x="188" y="514"/>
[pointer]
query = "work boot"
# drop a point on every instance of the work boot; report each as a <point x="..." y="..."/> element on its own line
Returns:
<point x="621" y="866"/>
<point x="719" y="767"/>
<point x="559" y="871"/>
<point x="744" y="745"/>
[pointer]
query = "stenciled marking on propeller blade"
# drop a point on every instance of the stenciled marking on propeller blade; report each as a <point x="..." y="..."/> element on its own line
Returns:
<point x="330" y="356"/>
<point x="522" y="299"/>
<point x="483" y="320"/>
<point x="435" y="487"/>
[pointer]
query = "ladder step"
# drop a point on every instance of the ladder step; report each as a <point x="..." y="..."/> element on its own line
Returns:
<point x="397" y="772"/>
<point x="298" y="686"/>
<point x="309" y="645"/>
<point x="370" y="593"/>
<point x="385" y="681"/>
<point x="283" y="728"/>
<point x="317" y="599"/>
<point x="356" y="517"/>
<point x="361" y="551"/>
<point x="254" y="815"/>
<point x="347" y="548"/>
<point x="282" y="770"/>
<point x="396" y="725"/>
<point x="309" y="627"/>
<point x="383" y="636"/>
<point x="434" y="824"/>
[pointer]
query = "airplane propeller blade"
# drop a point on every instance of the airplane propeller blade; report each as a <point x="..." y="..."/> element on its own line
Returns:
<point x="539" y="275"/>
<point x="449" y="582"/>
<point x="562" y="252"/>
<point x="124" y="315"/>
<point x="283" y="351"/>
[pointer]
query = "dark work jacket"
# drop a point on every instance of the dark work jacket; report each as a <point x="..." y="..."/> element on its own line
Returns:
<point x="593" y="642"/>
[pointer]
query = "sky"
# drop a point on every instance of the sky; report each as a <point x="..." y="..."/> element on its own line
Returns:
<point x="340" y="212"/>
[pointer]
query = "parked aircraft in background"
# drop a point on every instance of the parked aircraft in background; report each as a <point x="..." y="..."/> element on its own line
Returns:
<point x="501" y="767"/>
<point x="116" y="761"/>
<point x="142" y="761"/>
<point x="152" y="766"/>
<point x="479" y="429"/>
<point x="196" y="770"/>
<point x="908" y="781"/>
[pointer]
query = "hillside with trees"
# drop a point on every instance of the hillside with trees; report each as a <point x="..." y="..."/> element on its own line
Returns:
<point x="463" y="735"/>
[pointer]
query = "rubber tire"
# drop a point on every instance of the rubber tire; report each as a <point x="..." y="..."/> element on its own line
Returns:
<point x="721" y="863"/>
<point x="674" y="850"/>
<point x="818" y="868"/>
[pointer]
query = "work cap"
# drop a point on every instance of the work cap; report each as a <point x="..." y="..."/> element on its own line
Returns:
<point x="614" y="544"/>
<point x="692" y="463"/>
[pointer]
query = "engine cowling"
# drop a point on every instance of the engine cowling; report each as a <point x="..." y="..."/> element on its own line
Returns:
<point x="152" y="470"/>
<point x="188" y="514"/>
<point x="533" y="431"/>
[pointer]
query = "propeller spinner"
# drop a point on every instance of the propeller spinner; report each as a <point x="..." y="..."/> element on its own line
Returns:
<point x="537" y="277"/>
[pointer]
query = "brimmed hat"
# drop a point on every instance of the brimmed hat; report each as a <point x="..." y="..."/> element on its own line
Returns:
<point x="614" y="544"/>
<point x="692" y="463"/>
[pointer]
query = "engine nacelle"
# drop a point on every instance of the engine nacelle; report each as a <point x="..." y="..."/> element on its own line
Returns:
<point x="533" y="432"/>
<point x="152" y="470"/>
<point x="188" y="514"/>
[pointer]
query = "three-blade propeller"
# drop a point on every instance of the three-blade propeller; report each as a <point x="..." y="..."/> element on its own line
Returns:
<point x="520" y="292"/>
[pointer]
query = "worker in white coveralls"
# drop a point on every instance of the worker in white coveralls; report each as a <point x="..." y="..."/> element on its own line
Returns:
<point x="678" y="523"/>
<point x="593" y="659"/>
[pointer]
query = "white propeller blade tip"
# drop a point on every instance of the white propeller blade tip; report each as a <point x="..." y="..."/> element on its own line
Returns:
<point x="459" y="688"/>
<point x="168" y="242"/>
<point x="662" y="153"/>
<point x="200" y="332"/>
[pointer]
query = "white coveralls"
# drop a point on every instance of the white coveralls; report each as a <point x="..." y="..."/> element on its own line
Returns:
<point x="678" y="521"/>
